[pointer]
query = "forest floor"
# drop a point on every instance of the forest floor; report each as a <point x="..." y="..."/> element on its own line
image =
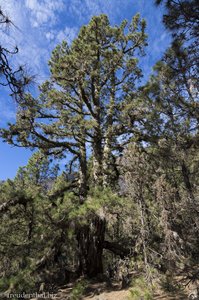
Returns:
<point x="100" y="291"/>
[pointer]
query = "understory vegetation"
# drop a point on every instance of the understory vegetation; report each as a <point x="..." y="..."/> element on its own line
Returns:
<point x="126" y="206"/>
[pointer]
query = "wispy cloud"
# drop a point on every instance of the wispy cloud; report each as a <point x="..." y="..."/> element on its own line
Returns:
<point x="32" y="20"/>
<point x="44" y="11"/>
<point x="8" y="111"/>
<point x="83" y="10"/>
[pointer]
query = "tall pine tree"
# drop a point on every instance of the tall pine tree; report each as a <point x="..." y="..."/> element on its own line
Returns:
<point x="80" y="110"/>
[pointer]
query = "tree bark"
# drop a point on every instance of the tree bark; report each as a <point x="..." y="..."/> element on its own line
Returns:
<point x="82" y="173"/>
<point x="107" y="153"/>
<point x="82" y="152"/>
<point x="91" y="244"/>
<point x="97" y="158"/>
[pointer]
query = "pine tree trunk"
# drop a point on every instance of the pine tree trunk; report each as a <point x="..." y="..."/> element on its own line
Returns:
<point x="82" y="174"/>
<point x="97" y="137"/>
<point x="97" y="159"/>
<point x="107" y="153"/>
<point x="91" y="243"/>
<point x="94" y="263"/>
<point x="82" y="160"/>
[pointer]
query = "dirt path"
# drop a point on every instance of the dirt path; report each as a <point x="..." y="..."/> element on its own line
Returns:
<point x="124" y="295"/>
<point x="103" y="291"/>
<point x="99" y="291"/>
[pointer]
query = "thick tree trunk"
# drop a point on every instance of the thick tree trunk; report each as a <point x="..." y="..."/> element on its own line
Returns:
<point x="107" y="153"/>
<point x="83" y="174"/>
<point x="91" y="237"/>
<point x="91" y="243"/>
<point x="97" y="158"/>
<point x="82" y="159"/>
<point x="97" y="136"/>
<point x="95" y="247"/>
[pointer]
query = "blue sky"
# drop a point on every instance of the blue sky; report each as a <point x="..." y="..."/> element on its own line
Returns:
<point x="42" y="24"/>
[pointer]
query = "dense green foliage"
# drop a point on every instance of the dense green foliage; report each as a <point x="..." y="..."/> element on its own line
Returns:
<point x="128" y="200"/>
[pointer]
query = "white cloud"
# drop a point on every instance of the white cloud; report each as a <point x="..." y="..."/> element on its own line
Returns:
<point x="50" y="35"/>
<point x="83" y="10"/>
<point x="57" y="36"/>
<point x="34" y="43"/>
<point x="8" y="111"/>
<point x="44" y="11"/>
